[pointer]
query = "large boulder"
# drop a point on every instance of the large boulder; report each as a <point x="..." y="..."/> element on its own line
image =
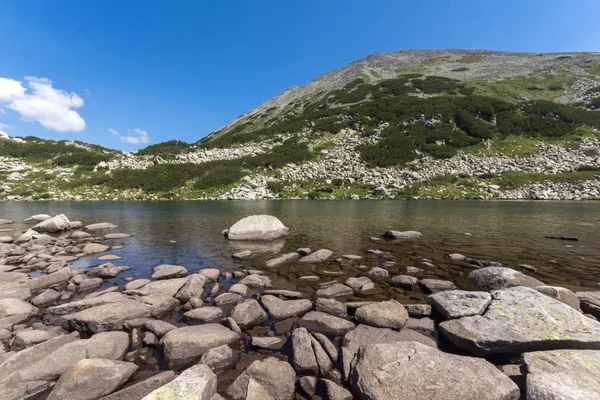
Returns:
<point x="91" y="379"/>
<point x="410" y="370"/>
<point x="521" y="319"/>
<point x="54" y="224"/>
<point x="563" y="374"/>
<point x="141" y="389"/>
<point x="37" y="218"/>
<point x="248" y="314"/>
<point x="185" y="346"/>
<point x="495" y="278"/>
<point x="276" y="377"/>
<point x="258" y="228"/>
<point x="197" y="383"/>
<point x="459" y="303"/>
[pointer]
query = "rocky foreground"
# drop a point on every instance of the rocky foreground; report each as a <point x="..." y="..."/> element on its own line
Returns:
<point x="68" y="334"/>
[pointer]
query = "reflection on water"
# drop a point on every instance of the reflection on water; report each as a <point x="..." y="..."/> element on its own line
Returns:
<point x="189" y="234"/>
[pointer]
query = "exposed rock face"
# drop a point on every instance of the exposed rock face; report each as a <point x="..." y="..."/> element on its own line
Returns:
<point x="563" y="374"/>
<point x="183" y="347"/>
<point x="495" y="278"/>
<point x="459" y="303"/>
<point x="520" y="319"/>
<point x="391" y="372"/>
<point x="258" y="228"/>
<point x="54" y="224"/>
<point x="276" y="377"/>
<point x="197" y="382"/>
<point x="385" y="314"/>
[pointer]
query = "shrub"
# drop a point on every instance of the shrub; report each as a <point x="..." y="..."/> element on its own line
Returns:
<point x="166" y="150"/>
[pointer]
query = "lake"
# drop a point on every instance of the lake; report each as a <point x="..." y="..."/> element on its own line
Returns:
<point x="189" y="234"/>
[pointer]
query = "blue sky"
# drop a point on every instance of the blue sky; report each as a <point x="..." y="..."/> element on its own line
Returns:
<point x="125" y="74"/>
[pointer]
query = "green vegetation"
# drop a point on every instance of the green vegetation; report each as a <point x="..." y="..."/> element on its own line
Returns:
<point x="471" y="59"/>
<point x="546" y="86"/>
<point x="167" y="150"/>
<point x="37" y="150"/>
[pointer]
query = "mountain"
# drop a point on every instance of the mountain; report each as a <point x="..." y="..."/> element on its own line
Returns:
<point x="435" y="124"/>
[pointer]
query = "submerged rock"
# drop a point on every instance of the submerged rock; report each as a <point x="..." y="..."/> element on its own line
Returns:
<point x="282" y="260"/>
<point x="258" y="228"/>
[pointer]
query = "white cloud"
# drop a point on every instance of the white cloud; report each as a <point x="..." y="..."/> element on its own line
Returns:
<point x="40" y="102"/>
<point x="138" y="136"/>
<point x="5" y="126"/>
<point x="3" y="134"/>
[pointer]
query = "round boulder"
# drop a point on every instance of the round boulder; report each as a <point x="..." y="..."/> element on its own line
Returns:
<point x="258" y="228"/>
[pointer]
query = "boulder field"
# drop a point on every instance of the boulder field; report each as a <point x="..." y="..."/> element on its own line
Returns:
<point x="183" y="333"/>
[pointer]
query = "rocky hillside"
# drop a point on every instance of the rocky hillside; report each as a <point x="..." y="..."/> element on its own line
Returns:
<point x="409" y="124"/>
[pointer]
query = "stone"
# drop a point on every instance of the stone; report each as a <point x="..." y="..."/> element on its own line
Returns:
<point x="436" y="285"/>
<point x="323" y="360"/>
<point x="563" y="374"/>
<point x="10" y="307"/>
<point x="210" y="274"/>
<point x="276" y="377"/>
<point x="335" y="290"/>
<point x="15" y="292"/>
<point x="281" y="309"/>
<point x="303" y="251"/>
<point x="418" y="310"/>
<point x="239" y="288"/>
<point x="378" y="273"/>
<point x="590" y="303"/>
<point x="92" y="248"/>
<point x="406" y="282"/>
<point x="28" y="338"/>
<point x="256" y="281"/>
<point x="203" y="314"/>
<point x="194" y="287"/>
<point x="116" y="236"/>
<point x="316" y="321"/>
<point x="520" y="319"/>
<point x="241" y="254"/>
<point x="158" y="327"/>
<point x="143" y="388"/>
<point x="16" y="277"/>
<point x="426" y="326"/>
<point x="55" y="224"/>
<point x="459" y="303"/>
<point x="197" y="383"/>
<point x="256" y="391"/>
<point x="6" y="239"/>
<point x="88" y="284"/>
<point x="107" y="271"/>
<point x="45" y="281"/>
<point x="137" y="284"/>
<point x="90" y="379"/>
<point x="37" y="218"/>
<point x="166" y="271"/>
<point x="79" y="235"/>
<point x="248" y="314"/>
<point x="495" y="278"/>
<point x="402" y="234"/>
<point x="185" y="346"/>
<point x="258" y="228"/>
<point x="331" y="306"/>
<point x="167" y="287"/>
<point x="390" y="371"/>
<point x="318" y="257"/>
<point x="218" y="357"/>
<point x="304" y="360"/>
<point x="228" y="298"/>
<point x="282" y="260"/>
<point x="109" y="257"/>
<point x="268" y="342"/>
<point x="100" y="225"/>
<point x="385" y="314"/>
<point x="333" y="391"/>
<point x="561" y="294"/>
<point x="150" y="339"/>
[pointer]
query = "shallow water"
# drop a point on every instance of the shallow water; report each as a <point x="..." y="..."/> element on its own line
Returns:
<point x="509" y="232"/>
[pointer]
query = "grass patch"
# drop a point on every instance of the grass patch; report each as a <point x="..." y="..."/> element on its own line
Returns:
<point x="471" y="59"/>
<point x="548" y="87"/>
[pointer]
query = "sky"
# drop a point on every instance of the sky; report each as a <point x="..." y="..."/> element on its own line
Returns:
<point x="126" y="74"/>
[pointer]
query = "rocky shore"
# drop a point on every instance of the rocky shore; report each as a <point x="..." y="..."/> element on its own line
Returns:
<point x="85" y="334"/>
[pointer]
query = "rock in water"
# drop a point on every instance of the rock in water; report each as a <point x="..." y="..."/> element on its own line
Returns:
<point x="521" y="319"/>
<point x="316" y="321"/>
<point x="385" y="314"/>
<point x="100" y="225"/>
<point x="91" y="379"/>
<point x="54" y="224"/>
<point x="563" y="374"/>
<point x="248" y="314"/>
<point x="459" y="303"/>
<point x="276" y="377"/>
<point x="258" y="228"/>
<point x="166" y="271"/>
<point x="402" y="234"/>
<point x="318" y="257"/>
<point x="282" y="309"/>
<point x="197" y="383"/>
<point x="495" y="278"/>
<point x="410" y="370"/>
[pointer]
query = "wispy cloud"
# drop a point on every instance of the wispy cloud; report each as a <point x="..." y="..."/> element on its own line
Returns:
<point x="41" y="102"/>
<point x="138" y="136"/>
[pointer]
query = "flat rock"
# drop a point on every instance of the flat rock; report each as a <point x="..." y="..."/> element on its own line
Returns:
<point x="318" y="257"/>
<point x="590" y="302"/>
<point x="13" y="277"/>
<point x="15" y="292"/>
<point x="27" y="338"/>
<point x="495" y="278"/>
<point x="107" y="271"/>
<point x="34" y="219"/>
<point x="268" y="342"/>
<point x="406" y="282"/>
<point x="137" y="284"/>
<point x="282" y="260"/>
<point x="228" y="298"/>
<point x="385" y="314"/>
<point x="10" y="307"/>
<point x="248" y="314"/>
<point x="561" y="294"/>
<point x="276" y="377"/>
<point x="335" y="290"/>
<point x="109" y="257"/>
<point x="92" y="378"/>
<point x="241" y="254"/>
<point x="459" y="303"/>
<point x="168" y="287"/>
<point x="563" y="374"/>
<point x="203" y="314"/>
<point x="117" y="235"/>
<point x="167" y="271"/>
<point x="316" y="321"/>
<point x="45" y="281"/>
<point x="45" y="298"/>
<point x="79" y="235"/>
<point x="256" y="281"/>
<point x="258" y="228"/>
<point x="197" y="383"/>
<point x="402" y="234"/>
<point x="55" y="224"/>
<point x="436" y="285"/>
<point x="92" y="248"/>
<point x="185" y="346"/>
<point x="418" y="310"/>
<point x="158" y="327"/>
<point x="410" y="370"/>
<point x="143" y="388"/>
<point x="331" y="306"/>
<point x="426" y="326"/>
<point x="521" y="319"/>
<point x="282" y="309"/>
<point x="100" y="225"/>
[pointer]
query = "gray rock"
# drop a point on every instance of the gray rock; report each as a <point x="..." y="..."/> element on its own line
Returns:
<point x="426" y="326"/>
<point x="256" y="391"/>
<point x="92" y="378"/>
<point x="158" y="327"/>
<point x="316" y="321"/>
<point x="459" y="303"/>
<point x="248" y="314"/>
<point x="10" y="307"/>
<point x="141" y="389"/>
<point x="561" y="294"/>
<point x="333" y="391"/>
<point x="79" y="235"/>
<point x="389" y="371"/>
<point x="100" y="225"/>
<point x="116" y="236"/>
<point x="34" y="219"/>
<point x="406" y="282"/>
<point x="256" y="281"/>
<point x="378" y="273"/>
<point x="168" y="287"/>
<point x="323" y="360"/>
<point x="13" y="277"/>
<point x="326" y="344"/>
<point x="92" y="248"/>
<point x="218" y="358"/>
<point x="307" y="386"/>
<point x="282" y="309"/>
<point x="304" y="359"/>
<point x="88" y="284"/>
<point x="258" y="228"/>
<point x="46" y="281"/>
<point x="590" y="302"/>
<point x="210" y="274"/>
<point x="137" y="284"/>
<point x="276" y="377"/>
<point x="242" y="254"/>
<point x="402" y="234"/>
<point x="335" y="290"/>
<point x="239" y="288"/>
<point x="166" y="271"/>
<point x="268" y="342"/>
<point x="304" y="251"/>
<point x="203" y="314"/>
<point x="28" y="338"/>
<point x="107" y="271"/>
<point x="197" y="382"/>
<point x="318" y="257"/>
<point x="563" y="374"/>
<point x="15" y="292"/>
<point x="418" y="310"/>
<point x="6" y="239"/>
<point x="55" y="224"/>
<point x="185" y="346"/>
<point x="331" y="306"/>
<point x="228" y="298"/>
<point x="282" y="260"/>
<point x="194" y="287"/>
<point x="385" y="314"/>
<point x="436" y="285"/>
<point x="495" y="278"/>
<point x="521" y="319"/>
